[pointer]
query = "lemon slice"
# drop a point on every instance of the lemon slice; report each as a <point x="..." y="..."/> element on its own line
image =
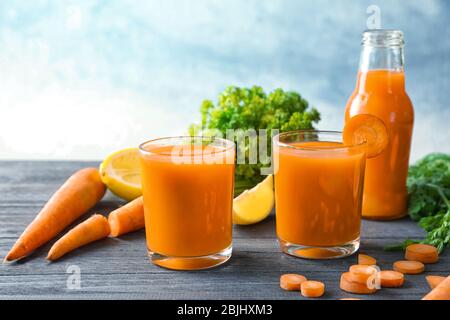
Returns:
<point x="120" y="172"/>
<point x="254" y="205"/>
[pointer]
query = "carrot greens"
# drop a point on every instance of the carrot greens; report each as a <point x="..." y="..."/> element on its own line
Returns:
<point x="429" y="193"/>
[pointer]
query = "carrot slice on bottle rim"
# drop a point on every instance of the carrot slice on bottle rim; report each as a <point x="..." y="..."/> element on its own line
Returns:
<point x="366" y="128"/>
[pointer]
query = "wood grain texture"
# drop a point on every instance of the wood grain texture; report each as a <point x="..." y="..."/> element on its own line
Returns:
<point x="119" y="268"/>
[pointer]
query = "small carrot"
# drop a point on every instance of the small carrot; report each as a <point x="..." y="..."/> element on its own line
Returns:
<point x="361" y="273"/>
<point x="366" y="260"/>
<point x="291" y="282"/>
<point x="434" y="281"/>
<point x="128" y="218"/>
<point x="441" y="292"/>
<point x="409" y="267"/>
<point x="422" y="252"/>
<point x="312" y="289"/>
<point x="391" y="279"/>
<point x="94" y="228"/>
<point x="73" y="199"/>
<point x="354" y="287"/>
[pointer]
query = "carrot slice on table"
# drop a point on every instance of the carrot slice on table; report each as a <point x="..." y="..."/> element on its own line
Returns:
<point x="434" y="281"/>
<point x="441" y="292"/>
<point x="73" y="199"/>
<point x="312" y="289"/>
<point x="354" y="287"/>
<point x="361" y="273"/>
<point x="422" y="252"/>
<point x="366" y="128"/>
<point x="409" y="267"/>
<point x="94" y="228"/>
<point x="391" y="279"/>
<point x="291" y="281"/>
<point x="128" y="218"/>
<point x="366" y="260"/>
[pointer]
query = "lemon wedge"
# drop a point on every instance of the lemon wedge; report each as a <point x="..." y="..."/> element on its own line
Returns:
<point x="120" y="172"/>
<point x="254" y="205"/>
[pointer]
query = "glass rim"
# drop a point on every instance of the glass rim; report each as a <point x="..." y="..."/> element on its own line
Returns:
<point x="228" y="144"/>
<point x="276" y="140"/>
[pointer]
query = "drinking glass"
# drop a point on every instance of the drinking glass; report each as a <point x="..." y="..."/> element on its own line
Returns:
<point x="187" y="185"/>
<point x="318" y="193"/>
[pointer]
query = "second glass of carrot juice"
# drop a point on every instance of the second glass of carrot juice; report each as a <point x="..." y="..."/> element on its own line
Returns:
<point x="318" y="193"/>
<point x="188" y="187"/>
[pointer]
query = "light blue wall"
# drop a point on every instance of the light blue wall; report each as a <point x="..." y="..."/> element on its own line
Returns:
<point x="82" y="78"/>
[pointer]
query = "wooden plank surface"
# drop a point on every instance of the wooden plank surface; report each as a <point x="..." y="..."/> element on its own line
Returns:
<point x="119" y="268"/>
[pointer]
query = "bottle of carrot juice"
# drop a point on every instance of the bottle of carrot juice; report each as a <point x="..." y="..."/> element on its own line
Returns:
<point x="380" y="91"/>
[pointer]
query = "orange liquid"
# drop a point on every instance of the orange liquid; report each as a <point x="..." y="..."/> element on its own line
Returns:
<point x="382" y="94"/>
<point x="187" y="206"/>
<point x="318" y="193"/>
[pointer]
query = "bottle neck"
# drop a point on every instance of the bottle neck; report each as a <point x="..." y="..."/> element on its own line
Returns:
<point x="381" y="66"/>
<point x="381" y="58"/>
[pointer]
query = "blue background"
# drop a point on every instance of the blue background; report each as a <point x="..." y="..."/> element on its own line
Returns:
<point x="79" y="79"/>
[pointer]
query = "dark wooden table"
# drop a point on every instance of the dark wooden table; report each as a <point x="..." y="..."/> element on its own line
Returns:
<point x="120" y="269"/>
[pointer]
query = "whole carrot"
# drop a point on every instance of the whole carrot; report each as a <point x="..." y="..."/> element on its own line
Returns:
<point x="94" y="228"/>
<point x="74" y="198"/>
<point x="128" y="218"/>
<point x="441" y="292"/>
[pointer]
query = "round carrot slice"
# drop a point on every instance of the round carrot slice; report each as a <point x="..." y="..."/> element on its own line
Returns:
<point x="366" y="260"/>
<point x="366" y="128"/>
<point x="312" y="289"/>
<point x="391" y="279"/>
<point x="361" y="273"/>
<point x="422" y="252"/>
<point x="409" y="267"/>
<point x="354" y="287"/>
<point x="291" y="281"/>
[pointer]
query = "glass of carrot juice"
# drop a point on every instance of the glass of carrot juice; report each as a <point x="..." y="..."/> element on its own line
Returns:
<point x="318" y="193"/>
<point x="187" y="185"/>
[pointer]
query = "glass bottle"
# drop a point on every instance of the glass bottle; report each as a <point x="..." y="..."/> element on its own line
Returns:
<point x="380" y="91"/>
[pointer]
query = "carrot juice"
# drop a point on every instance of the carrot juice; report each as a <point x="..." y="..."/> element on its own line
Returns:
<point x="318" y="193"/>
<point x="188" y="194"/>
<point x="380" y="91"/>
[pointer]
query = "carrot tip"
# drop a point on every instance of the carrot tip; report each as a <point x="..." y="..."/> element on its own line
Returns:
<point x="10" y="257"/>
